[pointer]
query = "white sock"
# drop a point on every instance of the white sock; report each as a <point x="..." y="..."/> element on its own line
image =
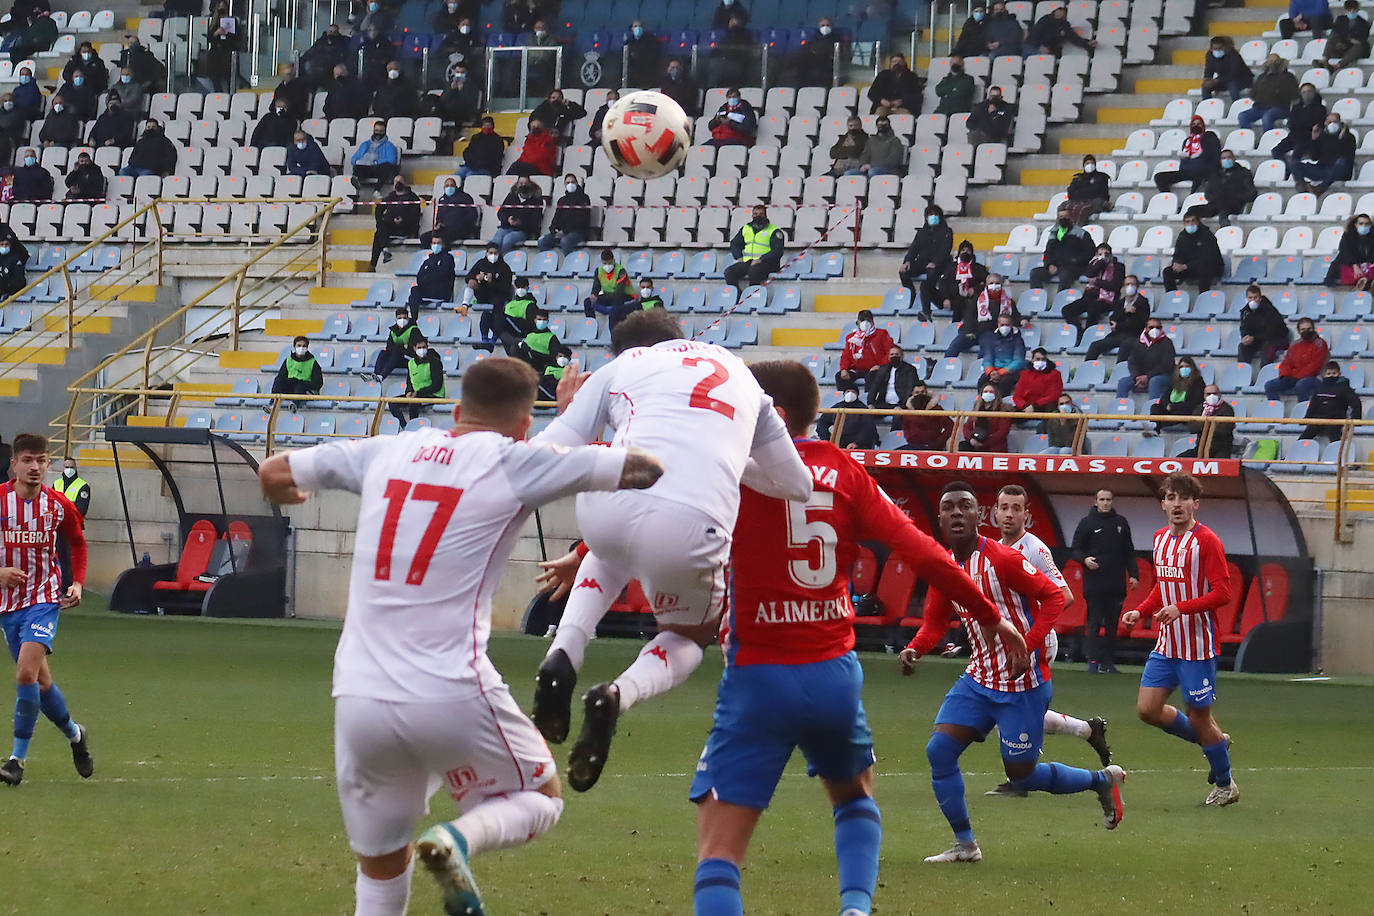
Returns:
<point x="665" y="662"/>
<point x="1056" y="723"/>
<point x="508" y="821"/>
<point x="595" y="587"/>
<point x="388" y="897"/>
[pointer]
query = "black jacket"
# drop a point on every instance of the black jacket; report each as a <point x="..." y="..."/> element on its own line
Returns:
<point x="993" y="118"/>
<point x="1301" y="119"/>
<point x="685" y="91"/>
<point x="876" y="383"/>
<point x="948" y="287"/>
<point x="435" y="278"/>
<point x="399" y="214"/>
<point x="894" y="84"/>
<point x="1264" y="323"/>
<point x="527" y="212"/>
<point x="931" y="245"/>
<point x="1200" y="252"/>
<point x="456" y="217"/>
<point x="12" y="278"/>
<point x="1051" y="32"/>
<point x="295" y="92"/>
<point x="96" y="73"/>
<point x="1071" y="253"/>
<point x="395" y="99"/>
<point x="562" y="116"/>
<point x="1156" y="359"/>
<point x="1354" y="249"/>
<point x="1131" y="322"/>
<point x="349" y="98"/>
<point x="461" y="105"/>
<point x="1349" y="30"/>
<point x="275" y="129"/>
<point x="1231" y="190"/>
<point x="492" y="281"/>
<point x="972" y="41"/>
<point x="573" y="213"/>
<point x="1332" y="400"/>
<point x="1106" y="537"/>
<point x="1230" y="68"/>
<point x="81" y="100"/>
<point x="61" y="128"/>
<point x="114" y="127"/>
<point x="86" y="183"/>
<point x="1327" y="148"/>
<point x="1223" y="434"/>
<point x="31" y="182"/>
<point x="484" y="153"/>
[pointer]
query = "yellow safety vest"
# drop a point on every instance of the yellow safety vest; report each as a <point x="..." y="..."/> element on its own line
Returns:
<point x="70" y="490"/>
<point x="757" y="243"/>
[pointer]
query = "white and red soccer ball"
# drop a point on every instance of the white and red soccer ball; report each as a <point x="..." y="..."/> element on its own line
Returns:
<point x="646" y="134"/>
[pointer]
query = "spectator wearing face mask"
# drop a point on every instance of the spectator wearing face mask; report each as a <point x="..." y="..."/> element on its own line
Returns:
<point x="142" y="64"/>
<point x="516" y="318"/>
<point x="446" y="19"/>
<point x="1003" y="352"/>
<point x="455" y="216"/>
<point x="1312" y="16"/>
<point x="1067" y="253"/>
<point x="960" y="284"/>
<point x="1003" y="32"/>
<point x="679" y="86"/>
<point x="644" y="57"/>
<point x="1353" y="266"/>
<point x="376" y="15"/>
<point x="305" y="157"/>
<point x="845" y="152"/>
<point x="1127" y="321"/>
<point x="1039" y="386"/>
<point x="1331" y="399"/>
<point x="375" y="51"/>
<point x="1199" y="157"/>
<point x="13" y="262"/>
<point x="294" y="92"/>
<point x="31" y="180"/>
<point x="1089" y="193"/>
<point x="858" y="430"/>
<point x="890" y="384"/>
<point x="1052" y="31"/>
<point x="520" y="216"/>
<point x="1306" y="113"/>
<point x="991" y="120"/>
<point x="62" y="126"/>
<point x="36" y="38"/>
<point x="1150" y="364"/>
<point x="78" y="96"/>
<point x="611" y="289"/>
<point x="929" y="434"/>
<point x="489" y="283"/>
<point x="400" y="338"/>
<point x="1348" y="40"/>
<point x="927" y="257"/>
<point x="865" y="348"/>
<point x="539" y="155"/>
<point x="28" y="98"/>
<point x="955" y="90"/>
<point x="434" y="280"/>
<point x="397" y="217"/>
<point x="816" y="58"/>
<point x="85" y="181"/>
<point x="14" y="128"/>
<point x="424" y="379"/>
<point x="131" y="93"/>
<point x="1329" y="159"/>
<point x="734" y="123"/>
<point x="981" y="321"/>
<point x="1225" y="70"/>
<point x="757" y="250"/>
<point x="397" y="96"/>
<point x="545" y="353"/>
<point x="376" y="160"/>
<point x="1197" y="257"/>
<point x="883" y="154"/>
<point x="1183" y="397"/>
<point x="572" y="219"/>
<point x="1063" y="429"/>
<point x="1229" y="191"/>
<point x="735" y="59"/>
<point x="649" y="297"/>
<point x="1105" y="277"/>
<point x="325" y="55"/>
<point x="599" y="117"/>
<point x="1301" y="369"/>
<point x="484" y="152"/>
<point x="461" y="102"/>
<point x="1274" y="92"/>
<point x="986" y="434"/>
<point x="558" y="113"/>
<point x="115" y="126"/>
<point x="1263" y="332"/>
<point x="299" y="373"/>
<point x="973" y="39"/>
<point x="896" y="90"/>
<point x="153" y="154"/>
<point x="97" y="75"/>
<point x="1223" y="442"/>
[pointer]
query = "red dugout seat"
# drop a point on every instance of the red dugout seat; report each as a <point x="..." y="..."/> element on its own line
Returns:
<point x="1075" y="616"/>
<point x="895" y="587"/>
<point x="195" y="559"/>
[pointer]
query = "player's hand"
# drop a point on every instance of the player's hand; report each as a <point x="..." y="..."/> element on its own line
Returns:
<point x="1132" y="583"/>
<point x="1130" y="618"/>
<point x="1090" y="562"/>
<point x="908" y="658"/>
<point x="73" y="596"/>
<point x="12" y="577"/>
<point x="1018" y="658"/>
<point x="572" y="380"/>
<point x="556" y="576"/>
<point x="1168" y="614"/>
<point x="278" y="486"/>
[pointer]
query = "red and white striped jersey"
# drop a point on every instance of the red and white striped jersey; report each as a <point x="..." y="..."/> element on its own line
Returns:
<point x="1190" y="571"/>
<point x="29" y="529"/>
<point x="1021" y="593"/>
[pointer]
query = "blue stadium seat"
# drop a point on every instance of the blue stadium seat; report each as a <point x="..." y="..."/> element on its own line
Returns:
<point x="1211" y="304"/>
<point x="892" y="327"/>
<point x="895" y="301"/>
<point x="827" y="266"/>
<point x="817" y="367"/>
<point x="1093" y="334"/>
<point x="199" y="419"/>
<point x="333" y="388"/>
<point x="1089" y="376"/>
<point x="919" y="336"/>
<point x="290" y="426"/>
<point x="754" y="299"/>
<point x="721" y="299"/>
<point x="947" y="372"/>
<point x="693" y="298"/>
<point x="700" y="264"/>
<point x="1355" y="306"/>
<point x="1234" y="378"/>
<point x="1032" y="301"/>
<point x="1115" y="445"/>
<point x="1253" y="269"/>
<point x="639" y="263"/>
<point x="1059" y="338"/>
<point x="1148" y="268"/>
<point x="796" y="268"/>
<point x="1171" y="305"/>
<point x="1181" y="445"/>
<point x="669" y="264"/>
<point x="431" y="325"/>
<point x="1285" y="269"/>
<point x="743" y="332"/>
<point x="1351" y="343"/>
<point x="244" y="386"/>
<point x="576" y="264"/>
<point x="543" y="264"/>
<point x="1151" y="447"/>
<point x="413" y="267"/>
<point x="517" y="260"/>
<point x="1315" y="270"/>
<point x="1259" y="414"/>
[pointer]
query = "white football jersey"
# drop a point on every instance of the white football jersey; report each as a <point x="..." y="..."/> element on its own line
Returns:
<point x="438" y="517"/>
<point x="1035" y="551"/>
<point x="694" y="405"/>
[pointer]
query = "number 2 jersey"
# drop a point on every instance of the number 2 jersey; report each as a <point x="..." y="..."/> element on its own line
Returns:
<point x="438" y="517"/>
<point x="1191" y="572"/>
<point x="789" y="590"/>
<point x="29" y="529"/>
<point x="699" y="409"/>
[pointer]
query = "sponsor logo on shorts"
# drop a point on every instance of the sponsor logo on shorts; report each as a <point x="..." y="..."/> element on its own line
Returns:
<point x="41" y="629"/>
<point x="590" y="583"/>
<point x="1024" y="744"/>
<point x="539" y="770"/>
<point x="460" y="778"/>
<point x="1204" y="691"/>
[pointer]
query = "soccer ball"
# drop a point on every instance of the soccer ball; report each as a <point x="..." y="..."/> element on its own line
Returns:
<point x="646" y="134"/>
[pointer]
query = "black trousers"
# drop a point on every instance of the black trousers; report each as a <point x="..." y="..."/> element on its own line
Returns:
<point x="1104" y="614"/>
<point x="751" y="273"/>
<point x="1113" y="341"/>
<point x="1085" y="312"/>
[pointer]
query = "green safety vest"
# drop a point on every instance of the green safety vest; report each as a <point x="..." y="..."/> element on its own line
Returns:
<point x="302" y="370"/>
<point x="402" y="340"/>
<point x="540" y="342"/>
<point x="757" y="243"/>
<point x="422" y="376"/>
<point x="651" y="302"/>
<point x="556" y="371"/>
<point x="70" y="490"/>
<point x="519" y="308"/>
<point x="608" y="281"/>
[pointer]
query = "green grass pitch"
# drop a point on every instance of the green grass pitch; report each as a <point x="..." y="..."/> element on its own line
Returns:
<point x="214" y="794"/>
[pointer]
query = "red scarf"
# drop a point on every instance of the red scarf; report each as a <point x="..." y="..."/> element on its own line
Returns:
<point x="1005" y="305"/>
<point x="963" y="274"/>
<point x="1192" y="146"/>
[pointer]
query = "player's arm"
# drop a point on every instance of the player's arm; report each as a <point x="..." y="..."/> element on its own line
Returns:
<point x="1024" y="578"/>
<point x="934" y="623"/>
<point x="1213" y="558"/>
<point x="1150" y="606"/>
<point x="289" y="478"/>
<point x="774" y="467"/>
<point x="539" y="473"/>
<point x="69" y="529"/>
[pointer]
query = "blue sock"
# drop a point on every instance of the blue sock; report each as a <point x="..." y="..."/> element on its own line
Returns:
<point x="1220" y="759"/>
<point x="858" y="838"/>
<point x="1058" y="779"/>
<point x="1182" y="728"/>
<point x="54" y="706"/>
<point x="716" y="890"/>
<point x="25" y="718"/>
<point x="943" y="753"/>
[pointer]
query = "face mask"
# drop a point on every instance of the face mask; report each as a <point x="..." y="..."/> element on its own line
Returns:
<point x="402" y="321"/>
<point x="540" y="34"/>
<point x="1333" y="129"/>
<point x="373" y="7"/>
<point x="9" y="106"/>
<point x="884" y="128"/>
<point x="24" y="80"/>
<point x="1040" y="365"/>
<point x="645" y="292"/>
<point x="78" y="80"/>
<point x="520" y="291"/>
<point x="1253" y="303"/>
<point x="393" y="74"/>
<point x="987" y="397"/>
<point x="606" y="265"/>
<point x="300" y="144"/>
<point x="637" y="32"/>
<point x="1155" y="333"/>
<point x="491" y="257"/>
<point x="1309" y="97"/>
<point x="301" y="351"/>
<point x="30" y="160"/>
<point x="421" y="352"/>
<point x="733" y="100"/>
<point x="1332" y="378"/>
<point x="1004" y="329"/>
<point x="1352" y="16"/>
<point x="851" y="396"/>
<point x="69" y="473"/>
<point x="1191" y="228"/>
<point x="125" y="78"/>
<point x="86" y="55"/>
<point x="1362" y="228"/>
<point x="379" y="137"/>
<point x="562" y="362"/>
<point x="865" y="326"/>
<point x="1066" y="408"/>
<point x="541" y="325"/>
<point x="1218" y="54"/>
<point x="956" y="69"/>
<point x="1185" y="371"/>
<point x="1213" y="400"/>
<point x="932" y="220"/>
<point x="449" y="191"/>
<point x="488" y="129"/>
<point x="977" y="15"/>
<point x="1309" y="334"/>
<point x="1227" y="163"/>
<point x="966" y="256"/>
<point x="436" y="248"/>
<point x="571" y="186"/>
<point x="1128" y="289"/>
<point x="464" y="29"/>
<point x="58" y="108"/>
<point x="1065" y="223"/>
<point x="150" y="129"/>
<point x="460" y="78"/>
<point x="4" y="249"/>
<point x="673" y="73"/>
<point x="824" y="30"/>
<point x="994" y="287"/>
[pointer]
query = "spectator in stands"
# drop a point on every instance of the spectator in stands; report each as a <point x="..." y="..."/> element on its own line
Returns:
<point x="1040" y="386"/>
<point x="62" y="126"/>
<point x="435" y="278"/>
<point x="955" y="90"/>
<point x="991" y="120"/>
<point x="376" y="160"/>
<point x="146" y="69"/>
<point x="1349" y="38"/>
<point x="153" y="154"/>
<point x="299" y="373"/>
<point x="545" y="353"/>
<point x="326" y="54"/>
<point x="490" y="283"/>
<point x="727" y="10"/>
<point x="397" y="217"/>
<point x="1198" y="159"/>
<point x="928" y="257"/>
<point x="516" y="318"/>
<point x="980" y="322"/>
<point x="1306" y="16"/>
<point x="896" y="90"/>
<point x="376" y="51"/>
<point x="757" y="250"/>
<point x="539" y="155"/>
<point x="348" y="97"/>
<point x="1003" y="33"/>
<point x="455" y="216"/>
<point x="1150" y="364"/>
<point x="541" y="69"/>
<point x="1061" y="430"/>
<point x="816" y="58"/>
<point x="1050" y="33"/>
<point x="890" y="385"/>
<point x="558" y="113"/>
<point x="1301" y="369"/>
<point x="679" y="86"/>
<point x="14" y="127"/>
<point x="131" y="93"/>
<point x="397" y="96"/>
<point x="520" y="216"/>
<point x="1223" y="434"/>
<point x="295" y="92"/>
<point x="1331" y="399"/>
<point x="845" y="152"/>
<point x="91" y="66"/>
<point x="464" y="46"/>
<point x="1353" y="265"/>
<point x="85" y="181"/>
<point x="37" y="38"/>
<point x="1263" y="332"/>
<point x="1274" y="92"/>
<point x="1229" y="191"/>
<point x="865" y="348"/>
<point x="28" y="98"/>
<point x="858" y="431"/>
<point x="1105" y="278"/>
<point x="883" y="154"/>
<point x="77" y="95"/>
<point x="1225" y="70"/>
<point x="1308" y="112"/>
<point x="735" y="123"/>
<point x="517" y="16"/>
<point x="1067" y="253"/>
<point x="1197" y="257"/>
<point x="424" y="379"/>
<point x="572" y="219"/>
<point x="400" y="337"/>
<point x="14" y="258"/>
<point x="1331" y="157"/>
<point x="735" y="58"/>
<point x="305" y="157"/>
<point x="963" y="279"/>
<point x="611" y="291"/>
<point x="648" y="296"/>
<point x="1127" y="321"/>
<point x="217" y="61"/>
<point x="986" y="434"/>
<point x="461" y="102"/>
<point x="1183" y="397"/>
<point x="277" y="127"/>
<point x="973" y="40"/>
<point x="599" y="117"/>
<point x="115" y="126"/>
<point x="1089" y="192"/>
<point x="644" y="55"/>
<point x="928" y="434"/>
<point x="447" y="18"/>
<point x="1003" y="353"/>
<point x="484" y="152"/>
<point x="377" y="16"/>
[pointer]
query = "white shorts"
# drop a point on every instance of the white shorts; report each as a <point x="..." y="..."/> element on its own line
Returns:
<point x="678" y="554"/>
<point x="389" y="758"/>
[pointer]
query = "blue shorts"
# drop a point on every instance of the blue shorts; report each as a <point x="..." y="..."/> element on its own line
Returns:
<point x="1018" y="715"/>
<point x="1198" y="679"/>
<point x="763" y="712"/>
<point x="37" y="623"/>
